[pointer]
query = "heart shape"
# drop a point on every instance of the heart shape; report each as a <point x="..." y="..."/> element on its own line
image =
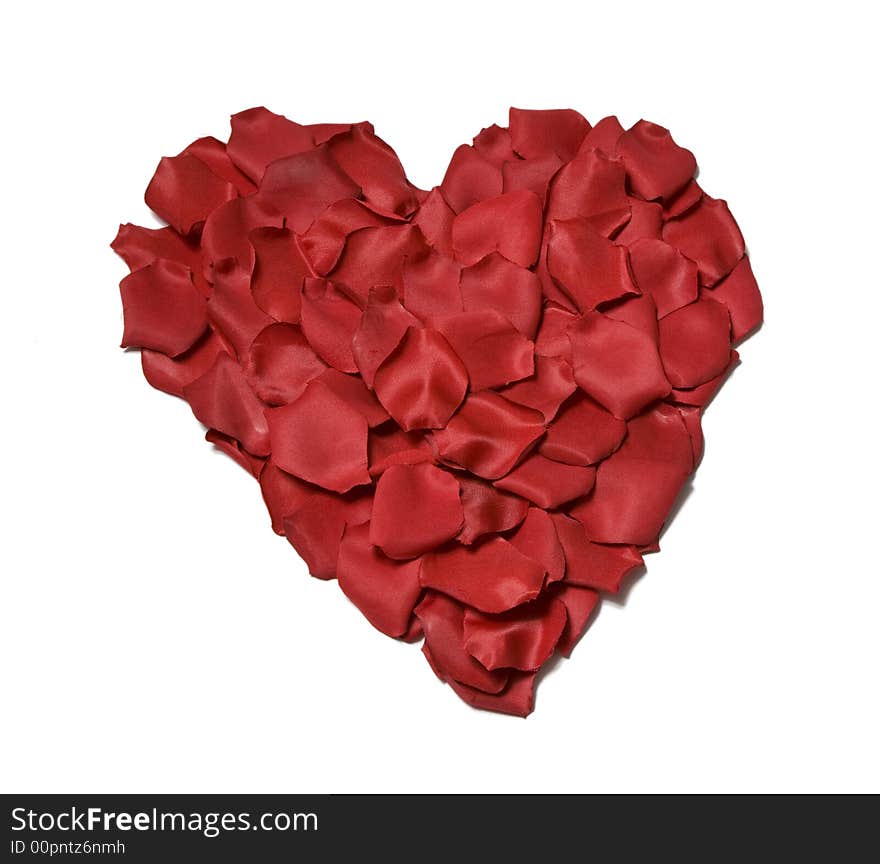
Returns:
<point x="474" y="406"/>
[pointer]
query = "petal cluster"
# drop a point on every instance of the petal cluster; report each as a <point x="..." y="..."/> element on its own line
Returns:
<point x="474" y="406"/>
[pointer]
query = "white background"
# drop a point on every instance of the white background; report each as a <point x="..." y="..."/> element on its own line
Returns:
<point x="156" y="636"/>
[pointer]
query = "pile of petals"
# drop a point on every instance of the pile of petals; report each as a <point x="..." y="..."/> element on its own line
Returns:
<point x="475" y="406"/>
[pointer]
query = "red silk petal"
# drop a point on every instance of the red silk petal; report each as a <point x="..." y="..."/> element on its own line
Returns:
<point x="385" y="591"/>
<point x="470" y="178"/>
<point x="422" y="382"/>
<point x="496" y="284"/>
<point x="491" y="576"/>
<point x="489" y="434"/>
<point x="664" y="273"/>
<point x="280" y="363"/>
<point x="227" y="231"/>
<point x="283" y="493"/>
<point x="552" y="339"/>
<point x="537" y="133"/>
<point x="550" y="385"/>
<point x="656" y="166"/>
<point x="603" y="136"/>
<point x="223" y="400"/>
<point x="214" y="154"/>
<point x="330" y="318"/>
<point x="708" y="235"/>
<point x="645" y="223"/>
<point x="493" y="351"/>
<point x="488" y="510"/>
<point x="141" y="246"/>
<point x="320" y="438"/>
<point x="739" y="293"/>
<point x="259" y="137"/>
<point x="390" y="445"/>
<point x="536" y="538"/>
<point x="523" y="638"/>
<point x="252" y="464"/>
<point x="443" y="622"/>
<point x="639" y="312"/>
<point x="695" y="343"/>
<point x="580" y="604"/>
<point x="703" y="395"/>
<point x="352" y="390"/>
<point x="689" y="197"/>
<point x="416" y="508"/>
<point x="171" y="375"/>
<point x="584" y="433"/>
<point x="279" y="271"/>
<point x="435" y="218"/>
<point x="147" y="295"/>
<point x="509" y="224"/>
<point x="517" y="697"/>
<point x="590" y="564"/>
<point x="381" y="328"/>
<point x="494" y="144"/>
<point x="431" y="286"/>
<point x="184" y="191"/>
<point x="589" y="185"/>
<point x="590" y="269"/>
<point x="616" y="364"/>
<point x="232" y="311"/>
<point x="547" y="483"/>
<point x="532" y="174"/>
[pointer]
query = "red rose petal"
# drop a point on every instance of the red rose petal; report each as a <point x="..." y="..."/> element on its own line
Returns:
<point x="491" y="576"/>
<point x="489" y="434"/>
<point x="590" y="269"/>
<point x="552" y="339"/>
<point x="381" y="328"/>
<point x="147" y="296"/>
<point x="523" y="638"/>
<point x="280" y="363"/>
<point x="589" y="185"/>
<point x="493" y="351"/>
<point x="664" y="273"/>
<point x="532" y="174"/>
<point x="171" y="375"/>
<point x="537" y="133"/>
<point x="547" y="483"/>
<point x="517" y="697"/>
<point x="422" y="382"/>
<point x="509" y="224"/>
<point x="259" y="137"/>
<point x="232" y="311"/>
<point x="139" y="247"/>
<point x="470" y="178"/>
<point x="695" y="343"/>
<point x="645" y="223"/>
<point x="223" y="400"/>
<point x="739" y="293"/>
<point x="656" y="166"/>
<point x="443" y="622"/>
<point x="431" y="287"/>
<point x="214" y="154"/>
<point x="708" y="235"/>
<point x="639" y="312"/>
<point x="416" y="508"/>
<point x="590" y="564"/>
<point x="495" y="284"/>
<point x="584" y="433"/>
<point x="616" y="364"/>
<point x="550" y="385"/>
<point x="385" y="591"/>
<point x="390" y="445"/>
<point x="227" y="231"/>
<point x="580" y="603"/>
<point x="703" y="395"/>
<point x="352" y="390"/>
<point x="494" y="144"/>
<point x="330" y="318"/>
<point x="536" y="538"/>
<point x="320" y="438"/>
<point x="252" y="464"/>
<point x="689" y="197"/>
<point x="283" y="493"/>
<point x="434" y="218"/>
<point x="487" y="510"/>
<point x="279" y="271"/>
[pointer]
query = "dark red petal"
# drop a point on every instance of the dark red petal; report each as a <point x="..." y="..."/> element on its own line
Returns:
<point x="431" y="286"/>
<point x="491" y="576"/>
<point x="488" y="510"/>
<point x="552" y="339"/>
<point x="320" y="438"/>
<point x="688" y="197"/>
<point x="584" y="433"/>
<point x="589" y="185"/>
<point x="639" y="312"/>
<point x="280" y="363"/>
<point x="579" y="605"/>
<point x="162" y="308"/>
<point x="656" y="166"/>
<point x="493" y="351"/>
<point x="509" y="224"/>
<point x="283" y="493"/>
<point x="691" y="416"/>
<point x="739" y="293"/>
<point x="279" y="270"/>
<point x="536" y="538"/>
<point x="172" y="375"/>
<point x="259" y="137"/>
<point x="664" y="273"/>
<point x="443" y="621"/>
<point x="252" y="464"/>
<point x="708" y="235"/>
<point x="489" y="434"/>
<point x="184" y="191"/>
<point x="385" y="591"/>
<point x="435" y="217"/>
<point x="330" y="318"/>
<point x="523" y="638"/>
<point x="703" y="395"/>
<point x="141" y="246"/>
<point x="496" y="284"/>
<point x="470" y="178"/>
<point x="389" y="445"/>
<point x="223" y="400"/>
<point x="374" y="166"/>
<point x="603" y="136"/>
<point x="532" y="174"/>
<point x="213" y="153"/>
<point x="695" y="343"/>
<point x="537" y="133"/>
<point x="494" y="144"/>
<point x="616" y="364"/>
<point x="416" y="508"/>
<point x="315" y="528"/>
<point x="381" y="328"/>
<point x="590" y="268"/>
<point x="422" y="382"/>
<point x="517" y="698"/>
<point x="547" y="483"/>
<point x="227" y="230"/>
<point x="645" y="223"/>
<point x="232" y="311"/>
<point x="590" y="564"/>
<point x="352" y="390"/>
<point x="550" y="385"/>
